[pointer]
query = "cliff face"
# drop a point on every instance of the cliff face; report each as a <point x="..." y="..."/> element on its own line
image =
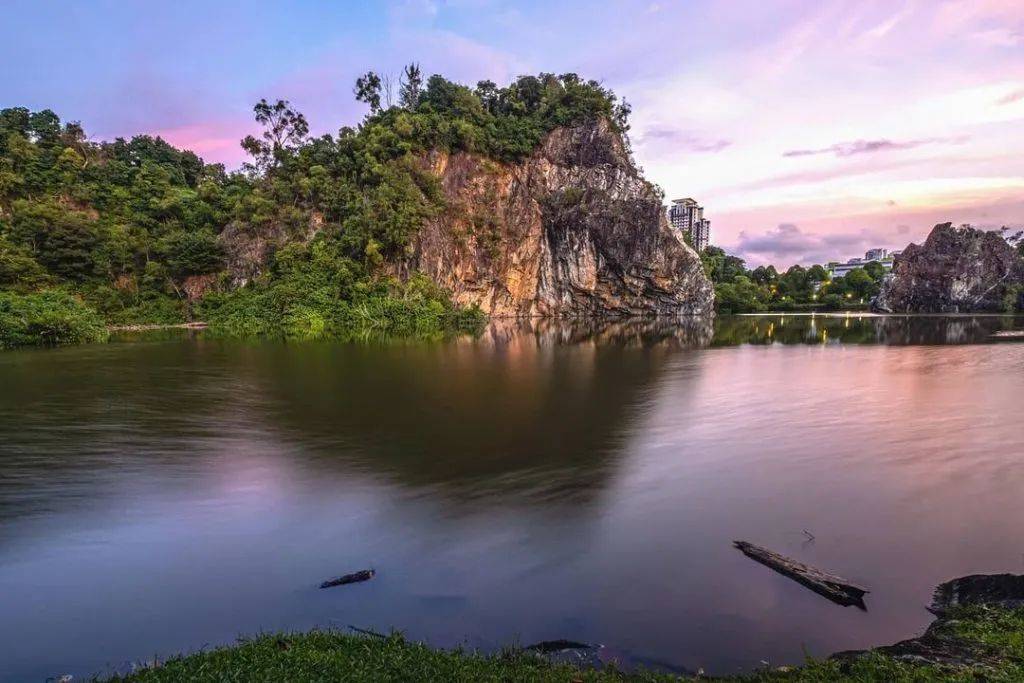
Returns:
<point x="956" y="270"/>
<point x="571" y="231"/>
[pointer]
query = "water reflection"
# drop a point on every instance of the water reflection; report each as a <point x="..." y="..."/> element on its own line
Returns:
<point x="859" y="329"/>
<point x="540" y="481"/>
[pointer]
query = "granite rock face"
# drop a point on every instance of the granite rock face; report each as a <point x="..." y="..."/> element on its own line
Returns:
<point x="571" y="231"/>
<point x="956" y="270"/>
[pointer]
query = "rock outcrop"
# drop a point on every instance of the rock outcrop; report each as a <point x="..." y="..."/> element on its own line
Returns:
<point x="956" y="270"/>
<point x="571" y="231"/>
<point x="941" y="645"/>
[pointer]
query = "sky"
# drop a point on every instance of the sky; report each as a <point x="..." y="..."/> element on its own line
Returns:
<point x="810" y="130"/>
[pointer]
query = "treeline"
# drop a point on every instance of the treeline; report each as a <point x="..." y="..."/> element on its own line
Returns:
<point x="115" y="231"/>
<point x="739" y="290"/>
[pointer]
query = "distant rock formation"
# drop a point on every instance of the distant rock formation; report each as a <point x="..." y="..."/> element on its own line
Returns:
<point x="956" y="270"/>
<point x="571" y="231"/>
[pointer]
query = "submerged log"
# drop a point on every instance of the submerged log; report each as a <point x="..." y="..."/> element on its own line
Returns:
<point x="364" y="575"/>
<point x="835" y="588"/>
<point x="546" y="646"/>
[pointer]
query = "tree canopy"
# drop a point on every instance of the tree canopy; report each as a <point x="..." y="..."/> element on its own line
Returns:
<point x="739" y="290"/>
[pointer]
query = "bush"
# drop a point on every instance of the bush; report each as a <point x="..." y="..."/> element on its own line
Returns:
<point x="47" y="318"/>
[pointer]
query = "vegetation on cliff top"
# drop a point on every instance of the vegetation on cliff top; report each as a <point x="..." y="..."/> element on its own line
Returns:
<point x="333" y="656"/>
<point x="122" y="227"/>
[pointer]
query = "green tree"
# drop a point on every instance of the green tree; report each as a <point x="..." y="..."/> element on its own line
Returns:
<point x="764" y="275"/>
<point x="875" y="270"/>
<point x="411" y="87"/>
<point x="191" y="252"/>
<point x="284" y="129"/>
<point x="368" y="90"/>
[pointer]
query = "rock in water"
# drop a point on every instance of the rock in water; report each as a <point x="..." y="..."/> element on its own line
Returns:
<point x="956" y="270"/>
<point x="573" y="230"/>
<point x="1001" y="590"/>
<point x="941" y="645"/>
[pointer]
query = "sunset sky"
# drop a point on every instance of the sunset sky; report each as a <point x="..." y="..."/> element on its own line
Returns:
<point x="810" y="130"/>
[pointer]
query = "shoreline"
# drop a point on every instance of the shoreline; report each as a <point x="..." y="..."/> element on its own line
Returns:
<point x="978" y="634"/>
<point x="148" y="327"/>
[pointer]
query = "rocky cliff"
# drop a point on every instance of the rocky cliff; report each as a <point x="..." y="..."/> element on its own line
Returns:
<point x="571" y="231"/>
<point x="956" y="270"/>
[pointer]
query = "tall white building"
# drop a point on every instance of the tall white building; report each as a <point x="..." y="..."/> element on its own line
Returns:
<point x="687" y="216"/>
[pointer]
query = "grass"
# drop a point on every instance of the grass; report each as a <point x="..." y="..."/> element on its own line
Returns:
<point x="335" y="656"/>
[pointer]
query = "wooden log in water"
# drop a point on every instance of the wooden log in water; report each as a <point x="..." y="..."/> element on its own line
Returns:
<point x="547" y="646"/>
<point x="835" y="588"/>
<point x="364" y="575"/>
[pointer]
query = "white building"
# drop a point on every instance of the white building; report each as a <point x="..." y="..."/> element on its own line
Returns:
<point x="687" y="216"/>
<point x="880" y="255"/>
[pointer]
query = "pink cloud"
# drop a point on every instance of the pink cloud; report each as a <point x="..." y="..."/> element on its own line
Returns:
<point x="1015" y="96"/>
<point x="215" y="141"/>
<point x="822" y="239"/>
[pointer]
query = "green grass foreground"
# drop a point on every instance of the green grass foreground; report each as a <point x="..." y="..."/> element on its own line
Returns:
<point x="335" y="656"/>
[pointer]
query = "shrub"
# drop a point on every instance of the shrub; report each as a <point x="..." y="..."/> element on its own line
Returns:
<point x="47" y="318"/>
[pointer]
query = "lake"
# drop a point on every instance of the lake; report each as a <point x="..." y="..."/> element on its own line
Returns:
<point x="167" y="493"/>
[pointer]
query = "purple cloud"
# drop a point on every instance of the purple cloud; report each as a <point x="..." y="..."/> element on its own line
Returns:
<point x="787" y="243"/>
<point x="681" y="140"/>
<point x="846" y="149"/>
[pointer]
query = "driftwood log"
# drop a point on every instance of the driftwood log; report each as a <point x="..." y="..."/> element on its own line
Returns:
<point x="546" y="646"/>
<point x="835" y="588"/>
<point x="364" y="575"/>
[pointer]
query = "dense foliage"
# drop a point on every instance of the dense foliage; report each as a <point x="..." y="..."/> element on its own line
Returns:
<point x="48" y="317"/>
<point x="125" y="227"/>
<point x="739" y="290"/>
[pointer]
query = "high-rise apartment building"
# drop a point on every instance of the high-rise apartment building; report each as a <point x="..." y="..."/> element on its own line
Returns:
<point x="687" y="216"/>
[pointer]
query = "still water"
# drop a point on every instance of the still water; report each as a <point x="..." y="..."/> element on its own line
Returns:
<point x="538" y="482"/>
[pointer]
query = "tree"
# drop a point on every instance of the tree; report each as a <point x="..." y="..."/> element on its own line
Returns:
<point x="620" y="115"/>
<point x="876" y="270"/>
<point x="411" y="87"/>
<point x="284" y="130"/>
<point x="739" y="296"/>
<point x="487" y="91"/>
<point x="63" y="241"/>
<point x="722" y="267"/>
<point x="528" y="92"/>
<point x="368" y="90"/>
<point x="191" y="252"/>
<point x="764" y="275"/>
<point x="817" y="273"/>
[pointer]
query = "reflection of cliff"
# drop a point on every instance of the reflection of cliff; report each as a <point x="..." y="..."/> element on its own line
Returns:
<point x="535" y="407"/>
<point x="856" y="329"/>
<point x="690" y="331"/>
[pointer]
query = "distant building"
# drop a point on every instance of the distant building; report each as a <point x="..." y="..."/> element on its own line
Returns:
<point x="687" y="216"/>
<point x="880" y="255"/>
